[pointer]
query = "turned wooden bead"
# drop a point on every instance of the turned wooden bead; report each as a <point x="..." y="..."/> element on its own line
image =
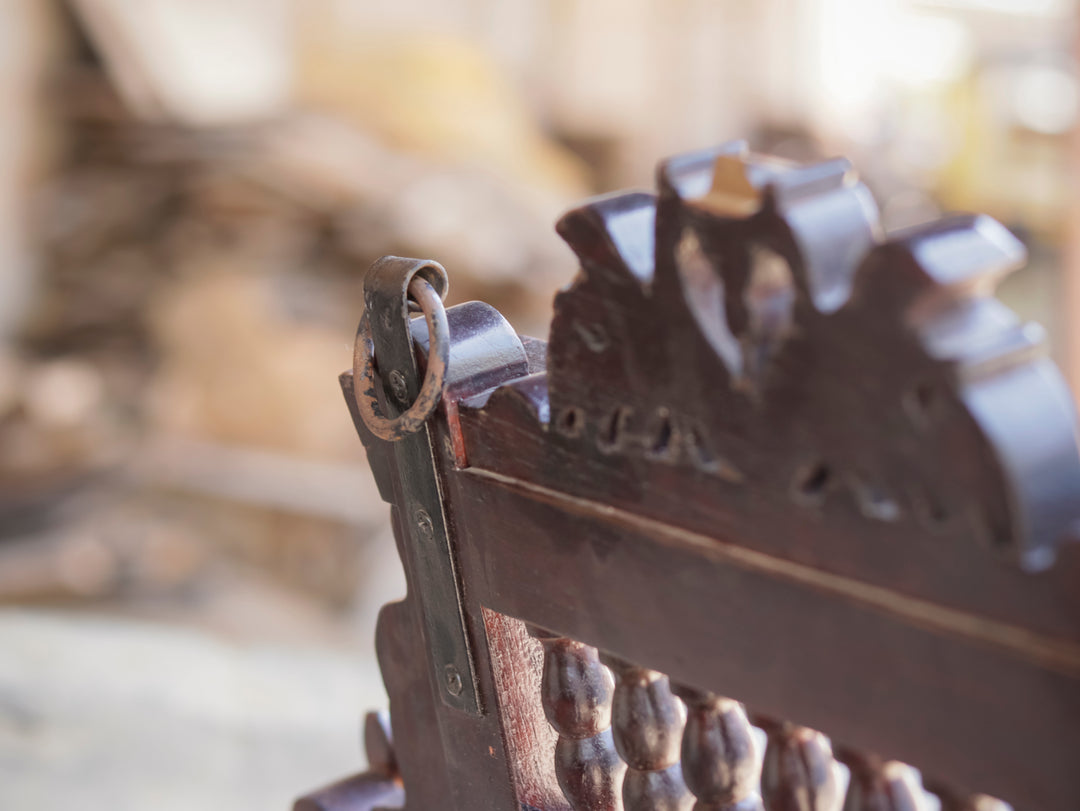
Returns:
<point x="647" y="722"/>
<point x="974" y="802"/>
<point x="647" y="719"/>
<point x="877" y="786"/>
<point x="590" y="772"/>
<point x="576" y="693"/>
<point x="798" y="772"/>
<point x="661" y="790"/>
<point x="577" y="689"/>
<point x="719" y="756"/>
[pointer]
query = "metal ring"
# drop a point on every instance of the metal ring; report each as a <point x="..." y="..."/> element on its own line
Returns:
<point x="412" y="419"/>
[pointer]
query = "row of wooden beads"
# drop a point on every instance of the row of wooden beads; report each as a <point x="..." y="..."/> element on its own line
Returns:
<point x="627" y="743"/>
<point x="576" y="693"/>
<point x="624" y="738"/>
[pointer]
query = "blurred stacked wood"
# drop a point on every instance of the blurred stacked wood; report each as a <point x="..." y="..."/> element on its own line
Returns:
<point x="30" y="41"/>
<point x="198" y="291"/>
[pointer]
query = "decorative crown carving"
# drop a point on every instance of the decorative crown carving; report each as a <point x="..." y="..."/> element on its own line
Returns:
<point x="751" y="322"/>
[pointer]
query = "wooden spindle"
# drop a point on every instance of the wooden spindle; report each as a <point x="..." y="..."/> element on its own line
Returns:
<point x="719" y="761"/>
<point x="798" y="772"/>
<point x="882" y="786"/>
<point x="973" y="802"/>
<point x="576" y="693"/>
<point x="647" y="721"/>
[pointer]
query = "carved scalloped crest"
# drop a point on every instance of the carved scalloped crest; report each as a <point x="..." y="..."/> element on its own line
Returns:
<point x="752" y="322"/>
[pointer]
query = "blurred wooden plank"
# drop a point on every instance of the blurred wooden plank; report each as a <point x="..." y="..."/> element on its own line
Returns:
<point x="1071" y="267"/>
<point x="196" y="62"/>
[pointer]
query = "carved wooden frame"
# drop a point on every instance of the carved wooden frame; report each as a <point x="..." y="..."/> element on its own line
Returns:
<point x="769" y="456"/>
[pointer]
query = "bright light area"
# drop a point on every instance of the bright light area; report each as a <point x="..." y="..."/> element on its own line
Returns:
<point x="928" y="50"/>
<point x="1047" y="99"/>
<point x="866" y="47"/>
<point x="1024" y="8"/>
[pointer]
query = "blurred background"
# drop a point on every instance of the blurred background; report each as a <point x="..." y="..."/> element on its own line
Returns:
<point x="192" y="551"/>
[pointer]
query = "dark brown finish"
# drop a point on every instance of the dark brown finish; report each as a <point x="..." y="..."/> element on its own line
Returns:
<point x="576" y="694"/>
<point x="361" y="792"/>
<point x="877" y="786"/>
<point x="774" y="455"/>
<point x="379" y="744"/>
<point x="798" y="772"/>
<point x="378" y="787"/>
<point x="718" y="758"/>
<point x="647" y="726"/>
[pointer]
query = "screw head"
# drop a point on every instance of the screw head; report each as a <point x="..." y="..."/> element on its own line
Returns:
<point x="398" y="386"/>
<point x="424" y="525"/>
<point x="454" y="685"/>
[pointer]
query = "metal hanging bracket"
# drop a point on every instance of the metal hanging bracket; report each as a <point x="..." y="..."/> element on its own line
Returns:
<point x="384" y="342"/>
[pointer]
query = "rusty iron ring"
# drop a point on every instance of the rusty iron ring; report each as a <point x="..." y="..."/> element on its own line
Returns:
<point x="413" y="418"/>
